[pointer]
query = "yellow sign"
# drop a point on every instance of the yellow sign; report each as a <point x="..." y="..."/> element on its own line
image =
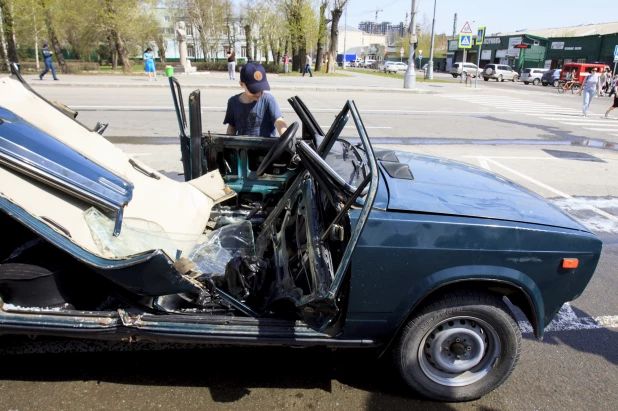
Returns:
<point x="465" y="41"/>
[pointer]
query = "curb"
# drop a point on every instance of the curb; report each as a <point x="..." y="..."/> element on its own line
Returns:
<point x="273" y="87"/>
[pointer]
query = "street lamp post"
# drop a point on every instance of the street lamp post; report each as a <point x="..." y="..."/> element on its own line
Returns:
<point x="429" y="72"/>
<point x="409" y="79"/>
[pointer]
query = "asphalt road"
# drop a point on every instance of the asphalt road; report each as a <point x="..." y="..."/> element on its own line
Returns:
<point x="528" y="135"/>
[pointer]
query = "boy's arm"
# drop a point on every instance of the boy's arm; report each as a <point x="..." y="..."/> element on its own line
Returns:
<point x="280" y="124"/>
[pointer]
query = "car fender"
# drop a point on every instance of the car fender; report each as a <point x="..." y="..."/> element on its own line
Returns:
<point x="463" y="277"/>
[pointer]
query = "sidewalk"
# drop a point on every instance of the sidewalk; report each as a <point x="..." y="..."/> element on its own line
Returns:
<point x="352" y="81"/>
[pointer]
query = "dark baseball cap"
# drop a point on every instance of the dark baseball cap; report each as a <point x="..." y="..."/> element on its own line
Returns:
<point x="254" y="77"/>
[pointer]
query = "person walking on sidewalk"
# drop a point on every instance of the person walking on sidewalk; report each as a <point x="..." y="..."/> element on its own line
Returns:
<point x="591" y="88"/>
<point x="49" y="64"/>
<point x="231" y="63"/>
<point x="149" y="64"/>
<point x="308" y="66"/>
<point x="286" y="63"/>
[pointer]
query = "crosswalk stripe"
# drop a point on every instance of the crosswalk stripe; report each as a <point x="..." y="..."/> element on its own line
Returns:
<point x="589" y="123"/>
<point x="601" y="129"/>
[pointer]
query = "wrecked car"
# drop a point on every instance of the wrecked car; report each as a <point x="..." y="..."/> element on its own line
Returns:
<point x="309" y="239"/>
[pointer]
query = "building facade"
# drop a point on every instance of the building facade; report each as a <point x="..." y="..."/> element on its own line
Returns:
<point x="542" y="52"/>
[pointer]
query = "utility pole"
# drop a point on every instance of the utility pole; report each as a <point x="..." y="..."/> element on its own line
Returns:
<point x="409" y="79"/>
<point x="345" y="34"/>
<point x="455" y="26"/>
<point x="429" y="72"/>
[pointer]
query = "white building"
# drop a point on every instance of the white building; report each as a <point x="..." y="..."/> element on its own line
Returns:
<point x="216" y="49"/>
<point x="365" y="45"/>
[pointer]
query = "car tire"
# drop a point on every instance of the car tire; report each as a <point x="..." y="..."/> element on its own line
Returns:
<point x="515" y="78"/>
<point x="536" y="81"/>
<point x="480" y="326"/>
<point x="526" y="83"/>
<point x="500" y="78"/>
<point x="556" y="83"/>
<point x="545" y="84"/>
<point x="454" y="75"/>
<point x="486" y="78"/>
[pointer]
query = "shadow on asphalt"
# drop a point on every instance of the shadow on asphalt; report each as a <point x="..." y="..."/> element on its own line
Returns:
<point x="230" y="373"/>
<point x="598" y="341"/>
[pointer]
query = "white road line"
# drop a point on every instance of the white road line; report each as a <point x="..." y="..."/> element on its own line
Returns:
<point x="354" y="127"/>
<point x="582" y="119"/>
<point x="517" y="158"/>
<point x="549" y="188"/>
<point x="601" y="129"/>
<point x="589" y="123"/>
<point x="483" y="163"/>
<point x="567" y="320"/>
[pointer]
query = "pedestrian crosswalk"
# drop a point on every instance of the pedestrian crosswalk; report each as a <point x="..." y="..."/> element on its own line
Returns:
<point x="543" y="111"/>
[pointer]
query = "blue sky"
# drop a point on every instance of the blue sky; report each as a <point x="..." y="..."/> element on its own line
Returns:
<point x="497" y="16"/>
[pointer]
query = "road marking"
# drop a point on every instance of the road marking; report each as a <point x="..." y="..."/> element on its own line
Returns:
<point x="582" y="119"/>
<point x="483" y="163"/>
<point x="354" y="127"/>
<point x="553" y="190"/>
<point x="567" y="320"/>
<point x="589" y="123"/>
<point x="601" y="129"/>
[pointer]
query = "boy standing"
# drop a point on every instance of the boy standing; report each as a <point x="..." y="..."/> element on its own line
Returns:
<point x="253" y="112"/>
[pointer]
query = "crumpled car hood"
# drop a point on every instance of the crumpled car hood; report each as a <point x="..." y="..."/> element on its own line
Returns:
<point x="443" y="186"/>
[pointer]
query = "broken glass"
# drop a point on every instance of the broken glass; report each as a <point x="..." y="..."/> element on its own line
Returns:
<point x="222" y="245"/>
<point x="137" y="236"/>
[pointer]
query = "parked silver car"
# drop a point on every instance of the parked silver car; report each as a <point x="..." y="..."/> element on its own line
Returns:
<point x="460" y="68"/>
<point x="532" y="75"/>
<point x="394" y="67"/>
<point x="499" y="72"/>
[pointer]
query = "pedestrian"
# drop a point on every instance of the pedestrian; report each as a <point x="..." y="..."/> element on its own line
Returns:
<point x="308" y="66"/>
<point x="613" y="85"/>
<point x="231" y="63"/>
<point x="49" y="64"/>
<point x="614" y="91"/>
<point x="603" y="82"/>
<point x="254" y="112"/>
<point x="149" y="64"/>
<point x="286" y="63"/>
<point x="590" y="88"/>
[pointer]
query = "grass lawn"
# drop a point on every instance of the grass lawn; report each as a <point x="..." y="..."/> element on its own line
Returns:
<point x="419" y="77"/>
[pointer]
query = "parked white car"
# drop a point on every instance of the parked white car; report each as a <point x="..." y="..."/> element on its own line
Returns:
<point x="463" y="68"/>
<point x="395" y="67"/>
<point x="367" y="63"/>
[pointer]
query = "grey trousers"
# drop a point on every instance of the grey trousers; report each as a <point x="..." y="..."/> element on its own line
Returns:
<point x="231" y="67"/>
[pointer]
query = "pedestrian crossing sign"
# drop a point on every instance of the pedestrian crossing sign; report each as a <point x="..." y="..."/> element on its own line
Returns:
<point x="480" y="36"/>
<point x="465" y="41"/>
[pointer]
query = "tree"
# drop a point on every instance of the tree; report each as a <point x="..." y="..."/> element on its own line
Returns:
<point x="53" y="39"/>
<point x="336" y="12"/>
<point x="9" y="31"/>
<point x="321" y="35"/>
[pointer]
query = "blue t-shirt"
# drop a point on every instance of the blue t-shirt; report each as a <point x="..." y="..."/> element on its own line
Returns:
<point x="253" y="119"/>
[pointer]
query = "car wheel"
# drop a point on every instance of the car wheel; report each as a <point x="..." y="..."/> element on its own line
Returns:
<point x="536" y="81"/>
<point x="459" y="347"/>
<point x="526" y="83"/>
<point x="486" y="78"/>
<point x="545" y="84"/>
<point x="454" y="75"/>
<point x="500" y="78"/>
<point x="556" y="83"/>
